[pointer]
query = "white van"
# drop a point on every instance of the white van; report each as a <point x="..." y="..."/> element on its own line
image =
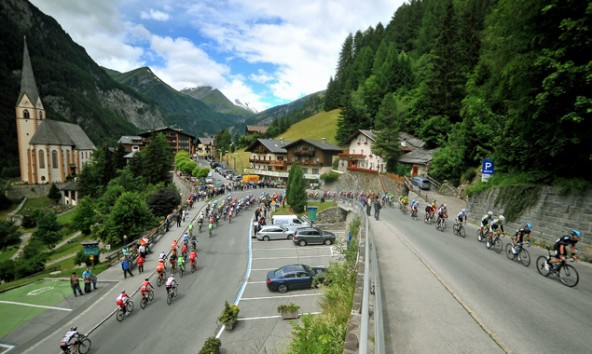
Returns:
<point x="290" y="221"/>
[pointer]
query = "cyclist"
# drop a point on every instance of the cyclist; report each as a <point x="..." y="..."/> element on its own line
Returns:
<point x="174" y="246"/>
<point x="211" y="226"/>
<point x="230" y="215"/>
<point x="173" y="260"/>
<point x="181" y="263"/>
<point x="184" y="250"/>
<point x="185" y="238"/>
<point x="494" y="226"/>
<point x="70" y="339"/>
<point x="190" y="228"/>
<point x="162" y="256"/>
<point x="461" y="216"/>
<point x="485" y="220"/>
<point x="430" y="209"/>
<point x="414" y="208"/>
<point x="193" y="258"/>
<point x="522" y="235"/>
<point x="145" y="288"/>
<point x="122" y="300"/>
<point x="160" y="268"/>
<point x="403" y="200"/>
<point x="560" y="251"/>
<point x="443" y="212"/>
<point x="170" y="282"/>
<point x="200" y="219"/>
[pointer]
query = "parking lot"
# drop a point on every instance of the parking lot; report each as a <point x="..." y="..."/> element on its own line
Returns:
<point x="260" y="328"/>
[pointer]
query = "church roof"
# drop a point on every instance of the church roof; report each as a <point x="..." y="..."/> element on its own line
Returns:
<point x="53" y="132"/>
<point x="28" y="85"/>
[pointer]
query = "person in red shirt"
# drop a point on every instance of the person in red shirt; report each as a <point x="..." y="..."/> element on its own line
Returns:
<point x="192" y="259"/>
<point x="184" y="250"/>
<point x="140" y="261"/>
<point x="145" y="288"/>
<point x="174" y="246"/>
<point x="122" y="300"/>
<point x="160" y="268"/>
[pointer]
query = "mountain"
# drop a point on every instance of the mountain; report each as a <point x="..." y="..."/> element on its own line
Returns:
<point x="180" y="110"/>
<point x="218" y="102"/>
<point x="301" y="108"/>
<point x="72" y="86"/>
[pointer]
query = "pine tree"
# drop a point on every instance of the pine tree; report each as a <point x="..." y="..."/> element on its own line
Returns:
<point x="297" y="189"/>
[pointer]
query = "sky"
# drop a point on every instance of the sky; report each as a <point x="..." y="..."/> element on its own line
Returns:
<point x="261" y="52"/>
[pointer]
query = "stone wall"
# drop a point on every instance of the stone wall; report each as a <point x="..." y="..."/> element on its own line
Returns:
<point x="552" y="216"/>
<point x="18" y="192"/>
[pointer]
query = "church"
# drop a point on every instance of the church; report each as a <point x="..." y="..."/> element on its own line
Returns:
<point x="50" y="151"/>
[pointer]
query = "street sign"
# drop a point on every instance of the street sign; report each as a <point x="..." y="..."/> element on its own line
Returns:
<point x="486" y="169"/>
<point x="91" y="257"/>
<point x="312" y="213"/>
<point x="91" y="248"/>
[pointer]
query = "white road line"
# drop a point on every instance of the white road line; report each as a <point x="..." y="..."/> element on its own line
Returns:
<point x="7" y="346"/>
<point x="33" y="305"/>
<point x="289" y="249"/>
<point x="267" y="258"/>
<point x="272" y="317"/>
<point x="256" y="282"/>
<point x="280" y="296"/>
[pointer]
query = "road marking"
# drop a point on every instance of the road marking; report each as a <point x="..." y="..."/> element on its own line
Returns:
<point x="39" y="291"/>
<point x="290" y="248"/>
<point x="280" y="296"/>
<point x="273" y="317"/>
<point x="32" y="305"/>
<point x="7" y="346"/>
<point x="268" y="258"/>
<point x="256" y="282"/>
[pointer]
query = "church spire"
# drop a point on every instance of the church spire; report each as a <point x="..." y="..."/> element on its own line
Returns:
<point x="28" y="85"/>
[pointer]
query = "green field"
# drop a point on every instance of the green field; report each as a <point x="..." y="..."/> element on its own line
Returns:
<point x="46" y="293"/>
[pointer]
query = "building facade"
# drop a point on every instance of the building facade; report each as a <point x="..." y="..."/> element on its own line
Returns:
<point x="177" y="139"/>
<point x="49" y="151"/>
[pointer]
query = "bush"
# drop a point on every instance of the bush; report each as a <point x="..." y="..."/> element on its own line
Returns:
<point x="230" y="313"/>
<point x="330" y="177"/>
<point x="211" y="345"/>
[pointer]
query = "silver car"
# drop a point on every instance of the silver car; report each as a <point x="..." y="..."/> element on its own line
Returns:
<point x="274" y="232"/>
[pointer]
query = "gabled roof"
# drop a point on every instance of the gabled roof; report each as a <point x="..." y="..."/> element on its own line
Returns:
<point x="178" y="130"/>
<point x="411" y="140"/>
<point x="273" y="146"/>
<point x="368" y="133"/>
<point x="206" y="140"/>
<point x="321" y="144"/>
<point x="72" y="186"/>
<point x="418" y="156"/>
<point x="257" y="128"/>
<point x="53" y="132"/>
<point x="130" y="140"/>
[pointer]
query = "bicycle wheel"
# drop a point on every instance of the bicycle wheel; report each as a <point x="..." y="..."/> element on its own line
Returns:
<point x="510" y="251"/>
<point x="540" y="263"/>
<point x="119" y="315"/>
<point x="84" y="346"/>
<point x="461" y="231"/>
<point x="525" y="257"/>
<point x="480" y="237"/>
<point x="181" y="272"/>
<point x="151" y="295"/>
<point x="569" y="275"/>
<point x="158" y="281"/>
<point x="130" y="306"/>
<point x="143" y="302"/>
<point x="498" y="246"/>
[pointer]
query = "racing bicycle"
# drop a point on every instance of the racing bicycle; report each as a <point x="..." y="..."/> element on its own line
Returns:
<point x="441" y="224"/>
<point x="129" y="306"/>
<point x="161" y="278"/>
<point x="496" y="242"/>
<point x="82" y="345"/>
<point x="519" y="253"/>
<point x="148" y="297"/>
<point x="172" y="294"/>
<point x="567" y="274"/>
<point x="458" y="228"/>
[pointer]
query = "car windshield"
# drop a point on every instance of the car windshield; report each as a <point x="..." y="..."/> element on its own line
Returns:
<point x="307" y="269"/>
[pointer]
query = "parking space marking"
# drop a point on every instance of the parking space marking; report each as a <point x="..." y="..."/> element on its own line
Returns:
<point x="32" y="305"/>
<point x="273" y="317"/>
<point x="280" y="296"/>
<point x="289" y="248"/>
<point x="8" y="347"/>
<point x="286" y="257"/>
<point x="256" y="282"/>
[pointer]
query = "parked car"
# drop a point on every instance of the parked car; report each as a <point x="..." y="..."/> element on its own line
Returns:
<point x="421" y="182"/>
<point x="294" y="276"/>
<point x="313" y="235"/>
<point x="274" y="232"/>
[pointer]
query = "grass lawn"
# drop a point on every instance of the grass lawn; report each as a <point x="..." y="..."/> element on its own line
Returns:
<point x="47" y="293"/>
<point x="67" y="249"/>
<point x="321" y="207"/>
<point x="321" y="125"/>
<point x="8" y="252"/>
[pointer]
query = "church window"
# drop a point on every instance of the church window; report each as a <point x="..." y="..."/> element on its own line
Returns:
<point x="41" y="159"/>
<point x="54" y="159"/>
<point x="40" y="115"/>
<point x="26" y="114"/>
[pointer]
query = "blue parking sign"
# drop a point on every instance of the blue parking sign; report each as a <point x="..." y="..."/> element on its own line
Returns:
<point x="487" y="168"/>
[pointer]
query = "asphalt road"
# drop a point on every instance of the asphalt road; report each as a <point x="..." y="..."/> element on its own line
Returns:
<point x="446" y="294"/>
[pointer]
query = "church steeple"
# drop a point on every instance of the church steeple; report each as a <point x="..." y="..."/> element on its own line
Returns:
<point x="28" y="85"/>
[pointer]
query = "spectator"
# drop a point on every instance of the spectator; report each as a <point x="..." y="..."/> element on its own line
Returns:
<point x="87" y="278"/>
<point x="142" y="250"/>
<point x="179" y="219"/>
<point x="140" y="261"/>
<point x="377" y="207"/>
<point x="75" y="283"/>
<point x="125" y="266"/>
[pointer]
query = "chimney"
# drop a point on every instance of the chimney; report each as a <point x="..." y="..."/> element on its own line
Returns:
<point x="281" y="141"/>
<point x="324" y="140"/>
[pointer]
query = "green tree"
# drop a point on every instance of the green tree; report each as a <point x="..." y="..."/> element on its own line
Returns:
<point x="85" y="215"/>
<point x="130" y="216"/>
<point x="297" y="189"/>
<point x="9" y="234"/>
<point x="157" y="160"/>
<point x="54" y="193"/>
<point x="388" y="120"/>
<point x="164" y="201"/>
<point x="48" y="229"/>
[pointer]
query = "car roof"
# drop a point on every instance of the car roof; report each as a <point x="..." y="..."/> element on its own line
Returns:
<point x="274" y="226"/>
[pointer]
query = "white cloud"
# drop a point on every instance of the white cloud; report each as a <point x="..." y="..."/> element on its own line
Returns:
<point x="290" y="46"/>
<point x="154" y="15"/>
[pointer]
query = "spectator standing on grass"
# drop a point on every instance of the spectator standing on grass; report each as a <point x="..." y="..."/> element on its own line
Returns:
<point x="125" y="266"/>
<point x="87" y="278"/>
<point x="140" y="261"/>
<point x="75" y="283"/>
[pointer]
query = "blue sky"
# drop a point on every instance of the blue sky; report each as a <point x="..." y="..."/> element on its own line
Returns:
<point x="261" y="52"/>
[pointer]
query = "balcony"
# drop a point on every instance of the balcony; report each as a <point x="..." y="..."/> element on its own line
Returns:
<point x="310" y="163"/>
<point x="304" y="152"/>
<point x="347" y="156"/>
<point x="277" y="163"/>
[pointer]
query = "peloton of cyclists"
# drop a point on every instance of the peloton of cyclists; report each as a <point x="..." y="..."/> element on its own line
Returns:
<point x="560" y="248"/>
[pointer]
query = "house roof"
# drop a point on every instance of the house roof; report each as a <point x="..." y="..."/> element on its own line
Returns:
<point x="257" y="128"/>
<point x="178" y="130"/>
<point x="206" y="140"/>
<point x="411" y="141"/>
<point x="53" y="132"/>
<point x="321" y="144"/>
<point x="369" y="133"/>
<point x="28" y="85"/>
<point x="130" y="140"/>
<point x="72" y="186"/>
<point x="273" y="146"/>
<point x="418" y="156"/>
<point x="130" y="154"/>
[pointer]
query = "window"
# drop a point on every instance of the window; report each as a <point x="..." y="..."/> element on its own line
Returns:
<point x="41" y="159"/>
<point x="315" y="171"/>
<point x="26" y="114"/>
<point x="40" y="115"/>
<point x="54" y="159"/>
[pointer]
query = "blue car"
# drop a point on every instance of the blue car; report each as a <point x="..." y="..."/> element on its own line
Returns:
<point x="294" y="276"/>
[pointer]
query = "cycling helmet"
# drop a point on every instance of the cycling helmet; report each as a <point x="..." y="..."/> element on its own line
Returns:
<point x="413" y="201"/>
<point x="490" y="213"/>
<point x="74" y="328"/>
<point x="501" y="218"/>
<point x="528" y="225"/>
<point x="444" y="205"/>
<point x="433" y="204"/>
<point x="123" y="291"/>
<point x="576" y="233"/>
<point x="463" y="211"/>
